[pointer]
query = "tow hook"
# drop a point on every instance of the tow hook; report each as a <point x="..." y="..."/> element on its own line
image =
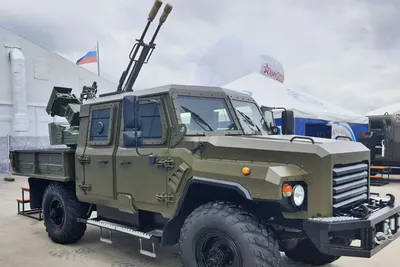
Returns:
<point x="380" y="238"/>
<point x="391" y="200"/>
<point x="386" y="235"/>
<point x="361" y="211"/>
<point x="381" y="202"/>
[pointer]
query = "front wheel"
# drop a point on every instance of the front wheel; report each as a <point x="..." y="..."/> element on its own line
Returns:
<point x="61" y="209"/>
<point x="220" y="234"/>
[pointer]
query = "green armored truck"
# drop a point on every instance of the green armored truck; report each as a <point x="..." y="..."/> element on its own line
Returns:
<point x="200" y="168"/>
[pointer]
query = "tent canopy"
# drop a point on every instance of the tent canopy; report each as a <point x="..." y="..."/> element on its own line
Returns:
<point x="393" y="109"/>
<point x="270" y="93"/>
<point x="229" y="58"/>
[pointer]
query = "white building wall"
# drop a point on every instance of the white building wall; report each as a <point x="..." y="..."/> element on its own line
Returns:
<point x="43" y="71"/>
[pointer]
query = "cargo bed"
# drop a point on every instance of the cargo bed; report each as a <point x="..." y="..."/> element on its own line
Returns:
<point x="53" y="164"/>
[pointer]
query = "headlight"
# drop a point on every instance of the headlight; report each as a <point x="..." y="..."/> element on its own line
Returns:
<point x="298" y="195"/>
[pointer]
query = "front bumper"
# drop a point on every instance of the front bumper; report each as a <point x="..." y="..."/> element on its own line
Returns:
<point x="375" y="232"/>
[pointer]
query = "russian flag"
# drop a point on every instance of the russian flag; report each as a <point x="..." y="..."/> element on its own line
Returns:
<point x="90" y="57"/>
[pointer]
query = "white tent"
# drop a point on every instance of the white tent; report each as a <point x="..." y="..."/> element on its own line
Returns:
<point x="229" y="58"/>
<point x="393" y="109"/>
<point x="270" y="93"/>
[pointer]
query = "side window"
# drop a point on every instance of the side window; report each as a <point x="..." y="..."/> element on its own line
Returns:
<point x="150" y="119"/>
<point x="100" y="125"/>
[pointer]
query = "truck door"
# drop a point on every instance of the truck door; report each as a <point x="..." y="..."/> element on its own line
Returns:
<point x="101" y="148"/>
<point x="137" y="177"/>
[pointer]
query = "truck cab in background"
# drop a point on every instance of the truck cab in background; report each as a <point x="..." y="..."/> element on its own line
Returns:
<point x="383" y="139"/>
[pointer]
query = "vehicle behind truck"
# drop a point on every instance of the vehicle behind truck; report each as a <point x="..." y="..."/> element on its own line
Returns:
<point x="383" y="139"/>
<point x="199" y="167"/>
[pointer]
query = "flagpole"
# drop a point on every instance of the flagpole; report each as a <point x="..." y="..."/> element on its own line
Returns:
<point x="98" y="59"/>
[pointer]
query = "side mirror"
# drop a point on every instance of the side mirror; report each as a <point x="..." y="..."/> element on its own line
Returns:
<point x="287" y="122"/>
<point x="129" y="111"/>
<point x="132" y="136"/>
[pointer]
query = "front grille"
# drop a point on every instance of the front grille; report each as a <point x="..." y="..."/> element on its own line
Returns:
<point x="350" y="185"/>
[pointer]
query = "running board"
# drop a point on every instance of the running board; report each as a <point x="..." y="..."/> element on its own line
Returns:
<point x="121" y="229"/>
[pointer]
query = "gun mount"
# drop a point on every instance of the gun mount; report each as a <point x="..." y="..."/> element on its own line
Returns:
<point x="63" y="103"/>
<point x="89" y="92"/>
<point x="147" y="49"/>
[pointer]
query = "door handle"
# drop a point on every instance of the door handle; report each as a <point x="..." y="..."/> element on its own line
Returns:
<point x="125" y="162"/>
<point x="103" y="161"/>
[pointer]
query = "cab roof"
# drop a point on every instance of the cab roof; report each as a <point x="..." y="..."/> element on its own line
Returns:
<point x="169" y="89"/>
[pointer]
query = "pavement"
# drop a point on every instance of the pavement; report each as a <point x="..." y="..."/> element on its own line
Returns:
<point x="24" y="242"/>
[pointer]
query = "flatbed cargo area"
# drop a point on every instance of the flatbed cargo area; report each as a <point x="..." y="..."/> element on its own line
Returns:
<point x="54" y="164"/>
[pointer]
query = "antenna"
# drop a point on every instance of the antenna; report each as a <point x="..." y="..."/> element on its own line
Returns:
<point x="147" y="49"/>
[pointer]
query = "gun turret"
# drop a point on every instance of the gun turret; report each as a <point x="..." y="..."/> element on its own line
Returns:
<point x="63" y="103"/>
<point x="61" y="99"/>
<point x="147" y="49"/>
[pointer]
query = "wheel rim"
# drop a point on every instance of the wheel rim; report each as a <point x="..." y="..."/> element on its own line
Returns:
<point x="56" y="213"/>
<point x="215" y="249"/>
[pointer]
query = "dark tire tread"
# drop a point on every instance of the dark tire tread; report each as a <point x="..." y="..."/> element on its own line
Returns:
<point x="259" y="237"/>
<point x="72" y="230"/>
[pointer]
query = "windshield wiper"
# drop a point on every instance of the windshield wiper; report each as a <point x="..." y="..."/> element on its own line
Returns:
<point x="248" y="120"/>
<point x="198" y="119"/>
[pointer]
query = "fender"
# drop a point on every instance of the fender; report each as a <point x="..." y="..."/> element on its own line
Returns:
<point x="191" y="199"/>
<point x="196" y="180"/>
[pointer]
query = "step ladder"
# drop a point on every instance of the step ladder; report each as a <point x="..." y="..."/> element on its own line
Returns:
<point x="111" y="227"/>
<point x="25" y="200"/>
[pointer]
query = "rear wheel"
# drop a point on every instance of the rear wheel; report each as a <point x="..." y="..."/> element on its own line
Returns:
<point x="61" y="209"/>
<point x="220" y="234"/>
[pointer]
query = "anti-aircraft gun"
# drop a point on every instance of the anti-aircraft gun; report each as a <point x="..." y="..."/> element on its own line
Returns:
<point x="146" y="52"/>
<point x="63" y="103"/>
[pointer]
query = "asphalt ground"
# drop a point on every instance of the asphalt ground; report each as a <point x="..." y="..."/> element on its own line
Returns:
<point x="24" y="242"/>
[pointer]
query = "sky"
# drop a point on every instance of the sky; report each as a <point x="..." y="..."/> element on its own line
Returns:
<point x="344" y="51"/>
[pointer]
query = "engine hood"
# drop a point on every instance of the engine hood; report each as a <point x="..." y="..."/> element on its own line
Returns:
<point x="322" y="146"/>
<point x="288" y="143"/>
<point x="274" y="160"/>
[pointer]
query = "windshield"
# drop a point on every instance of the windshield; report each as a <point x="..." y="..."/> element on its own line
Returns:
<point x="250" y="116"/>
<point x="205" y="114"/>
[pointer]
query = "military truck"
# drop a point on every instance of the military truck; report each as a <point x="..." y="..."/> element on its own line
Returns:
<point x="199" y="168"/>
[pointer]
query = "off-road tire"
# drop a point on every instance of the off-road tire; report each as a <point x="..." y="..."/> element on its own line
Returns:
<point x="70" y="230"/>
<point x="253" y="239"/>
<point x="306" y="252"/>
